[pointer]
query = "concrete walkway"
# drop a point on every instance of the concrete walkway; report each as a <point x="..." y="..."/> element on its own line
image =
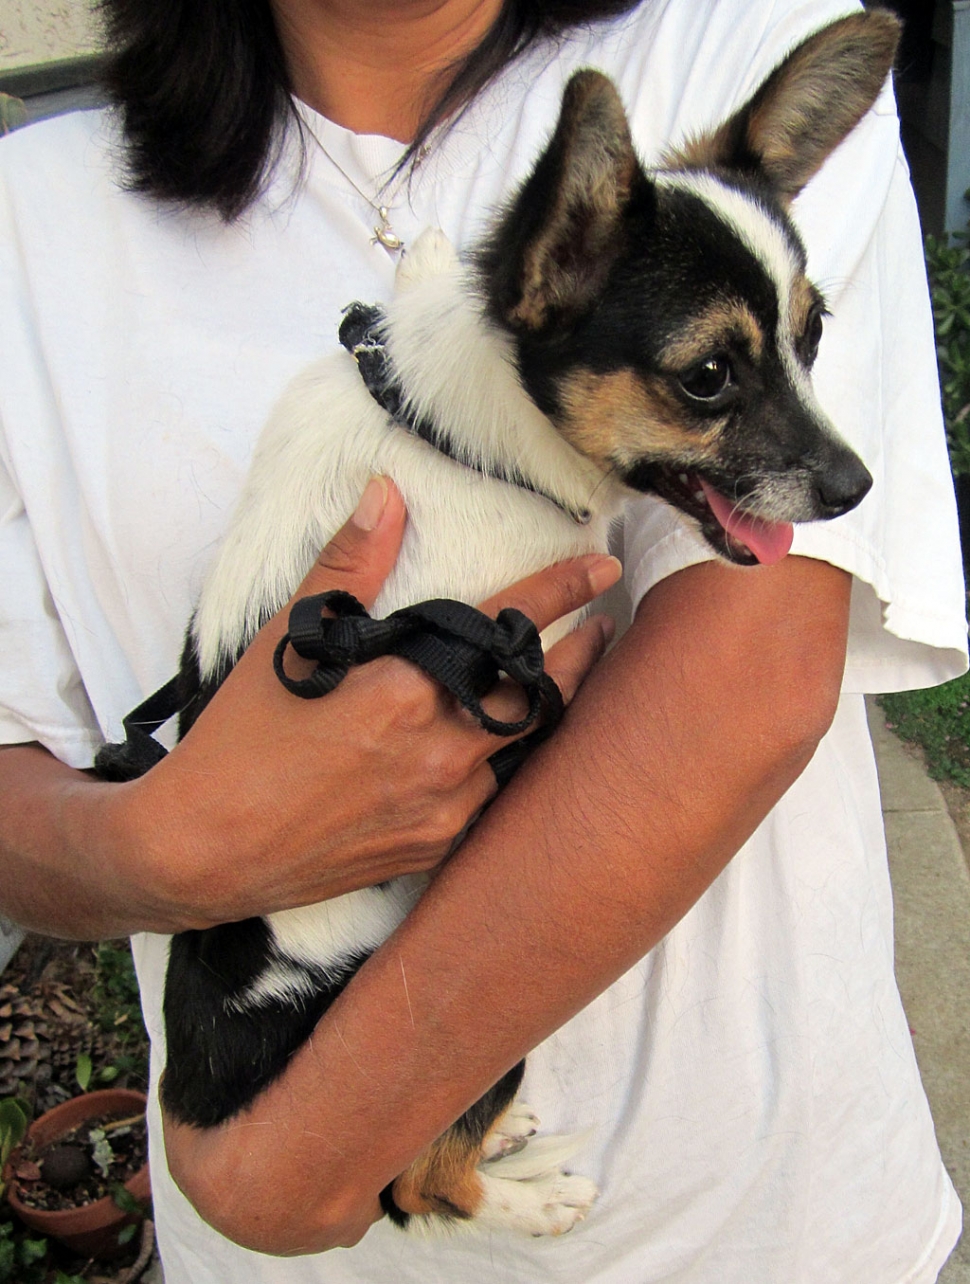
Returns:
<point x="931" y="884"/>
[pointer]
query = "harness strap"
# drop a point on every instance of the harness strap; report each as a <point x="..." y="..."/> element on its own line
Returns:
<point x="140" y="750"/>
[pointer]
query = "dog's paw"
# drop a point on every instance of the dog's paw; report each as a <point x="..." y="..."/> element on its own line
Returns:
<point x="511" y="1133"/>
<point x="550" y="1205"/>
<point x="431" y="254"/>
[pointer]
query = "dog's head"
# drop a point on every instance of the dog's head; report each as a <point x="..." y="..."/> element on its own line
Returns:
<point x="663" y="320"/>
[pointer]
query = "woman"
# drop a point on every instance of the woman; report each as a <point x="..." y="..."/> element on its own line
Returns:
<point x="739" y="1055"/>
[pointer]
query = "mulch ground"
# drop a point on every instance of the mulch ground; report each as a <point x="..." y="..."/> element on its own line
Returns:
<point x="65" y="1010"/>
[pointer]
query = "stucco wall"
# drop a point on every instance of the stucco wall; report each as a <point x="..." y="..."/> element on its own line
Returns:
<point x="33" y="32"/>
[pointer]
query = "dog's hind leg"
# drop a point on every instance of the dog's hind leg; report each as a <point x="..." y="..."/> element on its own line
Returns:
<point x="448" y="1188"/>
<point x="476" y="1176"/>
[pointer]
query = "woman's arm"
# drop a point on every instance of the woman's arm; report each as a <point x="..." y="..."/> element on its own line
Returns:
<point x="674" y="750"/>
<point x="258" y="809"/>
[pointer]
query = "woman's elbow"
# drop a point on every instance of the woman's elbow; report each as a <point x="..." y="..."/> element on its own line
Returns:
<point x="242" y="1183"/>
<point x="804" y="702"/>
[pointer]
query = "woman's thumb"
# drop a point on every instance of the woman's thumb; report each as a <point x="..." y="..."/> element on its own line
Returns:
<point x="361" y="555"/>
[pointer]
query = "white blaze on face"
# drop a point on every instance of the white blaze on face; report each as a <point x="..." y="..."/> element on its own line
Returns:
<point x="761" y="235"/>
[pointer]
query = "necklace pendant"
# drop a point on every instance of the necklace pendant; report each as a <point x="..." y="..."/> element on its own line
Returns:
<point x="385" y="234"/>
<point x="388" y="238"/>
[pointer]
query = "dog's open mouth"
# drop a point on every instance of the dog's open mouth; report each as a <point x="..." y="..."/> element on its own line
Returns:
<point x="737" y="535"/>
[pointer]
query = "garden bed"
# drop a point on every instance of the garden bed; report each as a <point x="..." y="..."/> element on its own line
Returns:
<point x="70" y="1020"/>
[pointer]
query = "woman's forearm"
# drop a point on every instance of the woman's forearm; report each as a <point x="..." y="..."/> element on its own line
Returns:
<point x="676" y="748"/>
<point x="65" y="870"/>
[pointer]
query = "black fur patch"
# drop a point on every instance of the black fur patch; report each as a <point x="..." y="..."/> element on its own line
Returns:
<point x="195" y="692"/>
<point x="219" y="1059"/>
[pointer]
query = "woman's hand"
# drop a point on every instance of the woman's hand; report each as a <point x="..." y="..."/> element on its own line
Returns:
<point x="271" y="802"/>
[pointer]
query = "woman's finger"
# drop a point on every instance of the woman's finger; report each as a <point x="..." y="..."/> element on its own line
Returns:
<point x="569" y="661"/>
<point x="362" y="554"/>
<point x="557" y="590"/>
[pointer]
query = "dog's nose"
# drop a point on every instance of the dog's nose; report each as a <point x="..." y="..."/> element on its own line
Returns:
<point x="842" y="485"/>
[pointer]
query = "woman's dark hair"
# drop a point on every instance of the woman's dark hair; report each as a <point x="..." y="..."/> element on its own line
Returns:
<point x="204" y="94"/>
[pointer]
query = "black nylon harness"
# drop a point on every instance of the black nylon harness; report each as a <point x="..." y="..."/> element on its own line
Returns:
<point x="457" y="645"/>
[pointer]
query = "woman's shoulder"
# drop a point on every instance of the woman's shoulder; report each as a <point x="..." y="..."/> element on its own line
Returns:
<point x="65" y="136"/>
<point x="62" y="157"/>
<point x="682" y="64"/>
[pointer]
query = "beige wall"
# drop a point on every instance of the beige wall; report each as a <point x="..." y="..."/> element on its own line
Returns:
<point x="33" y="32"/>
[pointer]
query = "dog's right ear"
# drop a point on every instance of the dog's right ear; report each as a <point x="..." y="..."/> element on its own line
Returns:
<point x="805" y="108"/>
<point x="558" y="240"/>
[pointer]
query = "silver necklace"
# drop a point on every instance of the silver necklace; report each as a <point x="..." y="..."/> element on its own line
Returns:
<point x="384" y="234"/>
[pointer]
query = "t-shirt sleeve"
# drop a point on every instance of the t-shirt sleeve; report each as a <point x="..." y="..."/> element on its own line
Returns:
<point x="42" y="697"/>
<point x="876" y="378"/>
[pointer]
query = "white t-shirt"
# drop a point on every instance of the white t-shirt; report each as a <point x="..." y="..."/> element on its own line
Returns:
<point x="753" y="1102"/>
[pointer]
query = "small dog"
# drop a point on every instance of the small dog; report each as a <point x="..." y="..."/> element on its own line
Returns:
<point x="622" y="330"/>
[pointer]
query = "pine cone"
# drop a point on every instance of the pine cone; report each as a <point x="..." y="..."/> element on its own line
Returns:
<point x="41" y="1036"/>
<point x="24" y="1040"/>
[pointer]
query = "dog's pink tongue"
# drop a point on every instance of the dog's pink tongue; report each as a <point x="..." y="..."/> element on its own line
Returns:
<point x="768" y="541"/>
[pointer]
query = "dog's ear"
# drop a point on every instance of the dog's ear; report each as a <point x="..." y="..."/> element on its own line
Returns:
<point x="806" y="107"/>
<point x="554" y="248"/>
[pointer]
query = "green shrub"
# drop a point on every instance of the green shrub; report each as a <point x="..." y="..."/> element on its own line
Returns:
<point x="948" y="267"/>
<point x="938" y="719"/>
<point x="118" y="1012"/>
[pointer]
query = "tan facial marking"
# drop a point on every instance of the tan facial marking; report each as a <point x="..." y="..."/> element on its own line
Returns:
<point x="442" y="1180"/>
<point x="803" y="298"/>
<point x="623" y="417"/>
<point x="721" y="325"/>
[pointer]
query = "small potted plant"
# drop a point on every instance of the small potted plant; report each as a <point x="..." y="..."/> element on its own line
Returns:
<point x="81" y="1174"/>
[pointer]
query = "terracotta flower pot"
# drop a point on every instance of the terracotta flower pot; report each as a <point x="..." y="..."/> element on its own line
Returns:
<point x="90" y="1230"/>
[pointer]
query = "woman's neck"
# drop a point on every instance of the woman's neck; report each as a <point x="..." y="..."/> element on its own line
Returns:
<point x="375" y="66"/>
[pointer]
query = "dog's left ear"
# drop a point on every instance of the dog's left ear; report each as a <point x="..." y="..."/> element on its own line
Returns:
<point x="555" y="246"/>
<point x="806" y="107"/>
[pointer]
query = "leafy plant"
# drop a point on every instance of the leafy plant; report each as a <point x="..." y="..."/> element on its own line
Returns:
<point x="102" y="1156"/>
<point x="14" y="1118"/>
<point x="115" y="988"/>
<point x="82" y="1071"/>
<point x="23" y="1258"/>
<point x="126" y="1201"/>
<point x="948" y="266"/>
<point x="23" y="1255"/>
<point x="118" y="1011"/>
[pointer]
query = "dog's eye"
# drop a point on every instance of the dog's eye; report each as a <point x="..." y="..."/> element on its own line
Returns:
<point x="707" y="381"/>
<point x="808" y="348"/>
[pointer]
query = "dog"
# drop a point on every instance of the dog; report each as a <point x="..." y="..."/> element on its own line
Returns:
<point x="621" y="331"/>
